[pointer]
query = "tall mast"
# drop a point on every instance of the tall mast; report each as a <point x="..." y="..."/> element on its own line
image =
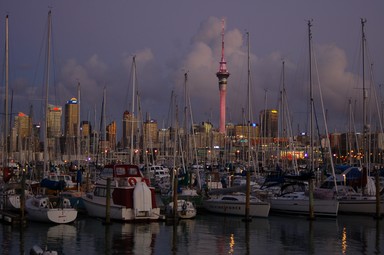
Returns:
<point x="133" y="104"/>
<point x="311" y="124"/>
<point x="186" y="140"/>
<point x="6" y="127"/>
<point x="312" y="161"/>
<point x="46" y="91"/>
<point x="365" y="96"/>
<point x="78" y="125"/>
<point x="248" y="189"/>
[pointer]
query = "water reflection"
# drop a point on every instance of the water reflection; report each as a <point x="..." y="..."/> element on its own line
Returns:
<point x="207" y="234"/>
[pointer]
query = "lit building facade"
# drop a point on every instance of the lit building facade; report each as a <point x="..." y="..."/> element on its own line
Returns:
<point x="54" y="121"/>
<point x="111" y="135"/>
<point x="269" y="123"/>
<point x="129" y="125"/>
<point x="71" y="118"/>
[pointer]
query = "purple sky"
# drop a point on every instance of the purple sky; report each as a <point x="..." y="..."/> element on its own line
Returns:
<point x="94" y="42"/>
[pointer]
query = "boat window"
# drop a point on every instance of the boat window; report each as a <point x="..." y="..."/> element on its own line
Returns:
<point x="101" y="192"/>
<point x="107" y="172"/>
<point x="229" y="198"/>
<point x="120" y="171"/>
<point x="132" y="171"/>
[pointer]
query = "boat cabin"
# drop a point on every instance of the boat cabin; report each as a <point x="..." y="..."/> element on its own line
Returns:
<point x="120" y="171"/>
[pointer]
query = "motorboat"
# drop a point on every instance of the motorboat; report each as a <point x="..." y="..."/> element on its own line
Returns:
<point x="132" y="197"/>
<point x="235" y="204"/>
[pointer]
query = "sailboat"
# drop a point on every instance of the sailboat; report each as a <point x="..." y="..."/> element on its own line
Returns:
<point x="239" y="203"/>
<point x="355" y="190"/>
<point x="293" y="197"/>
<point x="41" y="207"/>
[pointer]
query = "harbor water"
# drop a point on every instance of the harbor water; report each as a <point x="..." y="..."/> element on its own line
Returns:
<point x="206" y="234"/>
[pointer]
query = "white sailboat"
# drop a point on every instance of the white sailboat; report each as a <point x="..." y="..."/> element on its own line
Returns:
<point x="360" y="195"/>
<point x="238" y="203"/>
<point x="185" y="209"/>
<point x="297" y="201"/>
<point x="41" y="207"/>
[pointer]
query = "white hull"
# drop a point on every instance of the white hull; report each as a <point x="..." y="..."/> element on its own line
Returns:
<point x="185" y="209"/>
<point x="237" y="205"/>
<point x="359" y="206"/>
<point x="141" y="209"/>
<point x="301" y="206"/>
<point x="118" y="212"/>
<point x="38" y="209"/>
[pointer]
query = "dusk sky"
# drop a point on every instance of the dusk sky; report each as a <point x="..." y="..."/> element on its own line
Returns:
<point x="94" y="42"/>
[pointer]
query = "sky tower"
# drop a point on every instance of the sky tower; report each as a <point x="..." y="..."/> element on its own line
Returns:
<point x="222" y="75"/>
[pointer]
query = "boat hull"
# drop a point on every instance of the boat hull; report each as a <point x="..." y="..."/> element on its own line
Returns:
<point x="185" y="209"/>
<point x="258" y="209"/>
<point x="48" y="214"/>
<point x="327" y="208"/>
<point x="359" y="206"/>
<point x="117" y="212"/>
<point x="127" y="203"/>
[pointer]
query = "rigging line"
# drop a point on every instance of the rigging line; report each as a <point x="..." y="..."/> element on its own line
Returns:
<point x="328" y="144"/>
<point x="373" y="92"/>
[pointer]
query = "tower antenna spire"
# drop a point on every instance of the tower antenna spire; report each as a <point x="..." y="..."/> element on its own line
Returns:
<point x="222" y="38"/>
<point x="223" y="63"/>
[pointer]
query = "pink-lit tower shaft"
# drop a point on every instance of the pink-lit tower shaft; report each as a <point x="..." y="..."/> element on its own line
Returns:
<point x="222" y="75"/>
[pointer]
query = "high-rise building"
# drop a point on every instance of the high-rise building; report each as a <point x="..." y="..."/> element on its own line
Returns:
<point x="54" y="121"/>
<point x="85" y="128"/>
<point x="150" y="132"/>
<point x="71" y="118"/>
<point x="20" y="132"/>
<point x="129" y="125"/>
<point x="111" y="135"/>
<point x="269" y="123"/>
<point x="85" y="137"/>
<point x="23" y="125"/>
<point x="222" y="75"/>
<point x="71" y="126"/>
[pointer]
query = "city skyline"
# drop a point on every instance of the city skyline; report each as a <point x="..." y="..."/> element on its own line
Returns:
<point x="95" y="49"/>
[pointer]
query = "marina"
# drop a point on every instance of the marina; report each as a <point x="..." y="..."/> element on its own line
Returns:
<point x="223" y="173"/>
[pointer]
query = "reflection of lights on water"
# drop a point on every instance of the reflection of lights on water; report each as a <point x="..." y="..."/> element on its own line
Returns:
<point x="231" y="244"/>
<point x="344" y="241"/>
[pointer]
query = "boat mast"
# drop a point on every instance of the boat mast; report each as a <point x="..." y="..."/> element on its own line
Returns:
<point x="6" y="115"/>
<point x="78" y="126"/>
<point x="46" y="92"/>
<point x="133" y="104"/>
<point x="248" y="188"/>
<point x="311" y="152"/>
<point x="186" y="140"/>
<point x="365" y="96"/>
<point x="311" y="125"/>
